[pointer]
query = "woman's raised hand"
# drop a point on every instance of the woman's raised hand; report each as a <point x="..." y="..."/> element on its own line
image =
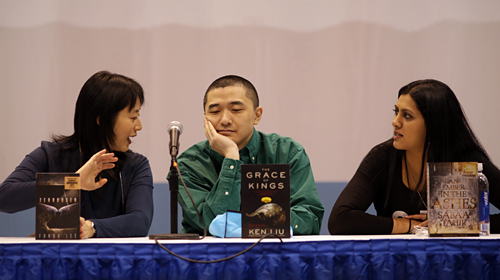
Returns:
<point x="88" y="172"/>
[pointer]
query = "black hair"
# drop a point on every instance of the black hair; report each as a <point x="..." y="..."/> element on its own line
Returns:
<point x="100" y="100"/>
<point x="449" y="136"/>
<point x="233" y="80"/>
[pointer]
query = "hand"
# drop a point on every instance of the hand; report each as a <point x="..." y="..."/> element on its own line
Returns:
<point x="419" y="217"/>
<point x="220" y="143"/>
<point x="89" y="171"/>
<point x="86" y="230"/>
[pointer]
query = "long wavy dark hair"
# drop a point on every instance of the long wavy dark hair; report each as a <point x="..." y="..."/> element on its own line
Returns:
<point x="100" y="100"/>
<point x="449" y="136"/>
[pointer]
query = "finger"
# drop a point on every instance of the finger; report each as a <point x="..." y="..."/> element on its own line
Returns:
<point x="104" y="163"/>
<point x="211" y="128"/>
<point x="98" y="184"/>
<point x="205" y="127"/>
<point x="208" y="132"/>
<point x="98" y="154"/>
<point x="106" y="166"/>
<point x="101" y="155"/>
<point x="424" y="224"/>
<point x="107" y="158"/>
<point x="101" y="183"/>
<point x="96" y="159"/>
<point x="106" y="155"/>
<point x="416" y="217"/>
<point x="81" y="230"/>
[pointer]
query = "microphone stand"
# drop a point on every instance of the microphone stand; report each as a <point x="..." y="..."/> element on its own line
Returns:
<point x="175" y="129"/>
<point x="174" y="190"/>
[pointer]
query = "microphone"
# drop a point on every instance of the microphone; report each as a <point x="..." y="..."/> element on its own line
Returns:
<point x="399" y="214"/>
<point x="174" y="129"/>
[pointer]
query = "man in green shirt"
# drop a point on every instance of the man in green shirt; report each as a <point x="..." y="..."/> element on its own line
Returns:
<point x="211" y="169"/>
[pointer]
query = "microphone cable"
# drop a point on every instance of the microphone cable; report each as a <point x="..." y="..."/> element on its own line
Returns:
<point x="205" y="231"/>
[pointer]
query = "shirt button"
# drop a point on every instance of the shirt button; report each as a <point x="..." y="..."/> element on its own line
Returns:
<point x="231" y="167"/>
<point x="253" y="158"/>
<point x="226" y="193"/>
<point x="296" y="226"/>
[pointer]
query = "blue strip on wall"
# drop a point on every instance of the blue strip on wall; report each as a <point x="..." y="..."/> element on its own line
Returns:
<point x="23" y="223"/>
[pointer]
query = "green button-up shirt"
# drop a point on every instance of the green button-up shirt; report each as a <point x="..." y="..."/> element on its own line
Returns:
<point x="214" y="181"/>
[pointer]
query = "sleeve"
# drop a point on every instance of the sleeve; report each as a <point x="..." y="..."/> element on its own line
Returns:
<point x="349" y="215"/>
<point x="493" y="175"/>
<point x="213" y="193"/>
<point x="18" y="191"/>
<point x="138" y="206"/>
<point x="306" y="208"/>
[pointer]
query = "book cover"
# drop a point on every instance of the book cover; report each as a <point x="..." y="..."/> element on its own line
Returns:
<point x="452" y="193"/>
<point x="265" y="200"/>
<point x="57" y="206"/>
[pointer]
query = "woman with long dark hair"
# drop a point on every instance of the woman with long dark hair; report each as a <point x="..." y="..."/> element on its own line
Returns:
<point x="429" y="126"/>
<point x="116" y="183"/>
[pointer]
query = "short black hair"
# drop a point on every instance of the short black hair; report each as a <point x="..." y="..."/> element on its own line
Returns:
<point x="101" y="99"/>
<point x="233" y="80"/>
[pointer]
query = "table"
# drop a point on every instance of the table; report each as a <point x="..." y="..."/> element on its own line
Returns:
<point x="300" y="257"/>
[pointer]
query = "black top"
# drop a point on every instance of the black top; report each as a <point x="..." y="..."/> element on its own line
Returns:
<point x="371" y="184"/>
<point x="113" y="215"/>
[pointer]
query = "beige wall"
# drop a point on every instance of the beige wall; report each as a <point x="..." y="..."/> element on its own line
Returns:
<point x="327" y="72"/>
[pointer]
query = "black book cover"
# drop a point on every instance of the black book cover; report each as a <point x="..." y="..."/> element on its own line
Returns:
<point x="57" y="206"/>
<point x="452" y="193"/>
<point x="265" y="200"/>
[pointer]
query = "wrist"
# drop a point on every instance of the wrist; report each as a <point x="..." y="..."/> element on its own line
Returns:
<point x="233" y="153"/>
<point x="409" y="226"/>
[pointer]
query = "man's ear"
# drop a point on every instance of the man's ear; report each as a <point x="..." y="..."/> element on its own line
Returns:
<point x="98" y="120"/>
<point x="258" y="115"/>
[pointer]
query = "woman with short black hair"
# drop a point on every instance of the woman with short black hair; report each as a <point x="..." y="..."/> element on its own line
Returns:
<point x="116" y="183"/>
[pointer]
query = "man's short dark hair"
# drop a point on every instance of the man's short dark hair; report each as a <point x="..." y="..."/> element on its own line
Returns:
<point x="233" y="80"/>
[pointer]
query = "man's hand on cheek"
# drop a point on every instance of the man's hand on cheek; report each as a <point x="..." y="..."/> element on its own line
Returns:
<point x="220" y="143"/>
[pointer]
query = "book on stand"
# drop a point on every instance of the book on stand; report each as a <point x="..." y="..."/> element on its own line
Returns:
<point x="57" y="206"/>
<point x="265" y="200"/>
<point x="453" y="197"/>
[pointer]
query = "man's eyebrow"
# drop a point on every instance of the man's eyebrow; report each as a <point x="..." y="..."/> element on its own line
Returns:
<point x="210" y="106"/>
<point x="232" y="103"/>
<point x="237" y="102"/>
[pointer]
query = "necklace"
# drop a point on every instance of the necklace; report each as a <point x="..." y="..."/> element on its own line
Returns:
<point x="415" y="183"/>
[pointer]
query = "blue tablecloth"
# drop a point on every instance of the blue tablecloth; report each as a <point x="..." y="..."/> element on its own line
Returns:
<point x="307" y="258"/>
